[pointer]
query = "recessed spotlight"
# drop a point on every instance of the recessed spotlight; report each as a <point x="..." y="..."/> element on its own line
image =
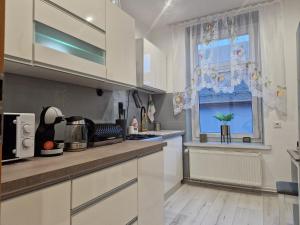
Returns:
<point x="89" y="19"/>
<point x="168" y="3"/>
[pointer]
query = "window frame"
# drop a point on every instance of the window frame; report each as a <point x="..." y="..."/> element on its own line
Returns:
<point x="257" y="114"/>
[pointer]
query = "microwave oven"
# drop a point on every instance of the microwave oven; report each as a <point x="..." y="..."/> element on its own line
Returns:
<point x="18" y="136"/>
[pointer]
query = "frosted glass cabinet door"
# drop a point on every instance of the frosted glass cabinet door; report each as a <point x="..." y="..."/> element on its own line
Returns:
<point x="92" y="11"/>
<point x="47" y="206"/>
<point x="120" y="45"/>
<point x="18" y="28"/>
<point x="151" y="189"/>
<point x="62" y="41"/>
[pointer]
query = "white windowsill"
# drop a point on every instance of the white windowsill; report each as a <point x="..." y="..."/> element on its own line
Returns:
<point x="253" y="146"/>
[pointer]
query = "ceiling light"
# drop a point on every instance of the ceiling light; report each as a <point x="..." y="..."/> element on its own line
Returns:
<point x="168" y="3"/>
<point x="89" y="19"/>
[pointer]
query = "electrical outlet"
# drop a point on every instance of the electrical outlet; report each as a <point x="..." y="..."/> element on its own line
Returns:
<point x="277" y="124"/>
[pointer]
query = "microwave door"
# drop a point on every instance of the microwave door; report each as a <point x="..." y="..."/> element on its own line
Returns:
<point x="9" y="137"/>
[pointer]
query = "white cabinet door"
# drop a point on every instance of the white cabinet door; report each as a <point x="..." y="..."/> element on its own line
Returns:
<point x="61" y="21"/>
<point x="151" y="66"/>
<point x="150" y="69"/>
<point x="173" y="163"/>
<point x="48" y="206"/>
<point x="151" y="189"/>
<point x="120" y="45"/>
<point x="19" y="28"/>
<point x="118" y="209"/>
<point x="93" y="11"/>
<point x="66" y="43"/>
<point x="161" y="78"/>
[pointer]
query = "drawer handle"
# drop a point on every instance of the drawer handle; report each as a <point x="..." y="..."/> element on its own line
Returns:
<point x="102" y="197"/>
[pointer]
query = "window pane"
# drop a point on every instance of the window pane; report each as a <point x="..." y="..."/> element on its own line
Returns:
<point x="239" y="103"/>
<point x="217" y="54"/>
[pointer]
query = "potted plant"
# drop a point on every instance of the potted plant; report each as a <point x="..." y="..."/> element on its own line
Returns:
<point x="225" y="128"/>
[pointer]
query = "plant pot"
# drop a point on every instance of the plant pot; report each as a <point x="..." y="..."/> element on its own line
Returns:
<point x="225" y="133"/>
<point x="224" y="130"/>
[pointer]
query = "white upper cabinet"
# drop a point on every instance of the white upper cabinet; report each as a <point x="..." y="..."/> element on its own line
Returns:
<point x="18" y="29"/>
<point x="64" y="42"/>
<point x="92" y="40"/>
<point x="120" y="45"/>
<point x="93" y="11"/>
<point x="151" y="66"/>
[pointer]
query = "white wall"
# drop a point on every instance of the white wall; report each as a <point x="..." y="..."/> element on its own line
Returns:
<point x="276" y="163"/>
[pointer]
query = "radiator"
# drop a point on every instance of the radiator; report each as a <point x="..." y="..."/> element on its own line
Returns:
<point x="239" y="168"/>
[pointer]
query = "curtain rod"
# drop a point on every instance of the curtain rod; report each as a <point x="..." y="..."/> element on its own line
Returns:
<point x="193" y="21"/>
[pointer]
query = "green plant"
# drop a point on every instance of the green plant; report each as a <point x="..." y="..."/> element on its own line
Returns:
<point x="225" y="118"/>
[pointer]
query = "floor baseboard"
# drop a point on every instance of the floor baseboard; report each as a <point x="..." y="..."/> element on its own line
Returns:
<point x="229" y="186"/>
<point x="172" y="190"/>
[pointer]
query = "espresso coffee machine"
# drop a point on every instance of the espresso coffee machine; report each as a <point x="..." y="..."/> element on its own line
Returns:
<point x="45" y="145"/>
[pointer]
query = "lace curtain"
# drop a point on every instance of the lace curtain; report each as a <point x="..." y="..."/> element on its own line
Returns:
<point x="252" y="54"/>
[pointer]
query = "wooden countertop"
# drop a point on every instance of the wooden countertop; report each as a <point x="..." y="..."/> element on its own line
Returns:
<point x="36" y="173"/>
<point x="165" y="134"/>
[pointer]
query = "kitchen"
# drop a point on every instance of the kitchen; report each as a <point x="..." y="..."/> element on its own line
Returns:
<point x="109" y="104"/>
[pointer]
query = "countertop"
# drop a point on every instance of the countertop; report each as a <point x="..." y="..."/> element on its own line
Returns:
<point x="36" y="173"/>
<point x="165" y="133"/>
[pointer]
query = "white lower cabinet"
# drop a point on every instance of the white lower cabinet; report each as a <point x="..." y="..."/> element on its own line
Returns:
<point x="128" y="193"/>
<point x="89" y="187"/>
<point x="173" y="166"/>
<point x="47" y="206"/>
<point x="151" y="189"/>
<point x="118" y="209"/>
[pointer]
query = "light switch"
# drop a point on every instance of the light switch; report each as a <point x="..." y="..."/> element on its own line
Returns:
<point x="277" y="124"/>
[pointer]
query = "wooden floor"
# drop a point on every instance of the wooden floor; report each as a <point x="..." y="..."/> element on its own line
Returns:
<point x="193" y="205"/>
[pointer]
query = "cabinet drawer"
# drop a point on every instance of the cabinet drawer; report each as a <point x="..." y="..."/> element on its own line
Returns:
<point x="92" y="11"/>
<point x="88" y="187"/>
<point x="118" y="209"/>
<point x="51" y="16"/>
<point x="44" y="207"/>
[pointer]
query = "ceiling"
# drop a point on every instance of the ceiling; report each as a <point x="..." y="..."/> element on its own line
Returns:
<point x="147" y="11"/>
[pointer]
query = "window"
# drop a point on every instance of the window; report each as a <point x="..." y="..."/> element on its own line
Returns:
<point x="240" y="102"/>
